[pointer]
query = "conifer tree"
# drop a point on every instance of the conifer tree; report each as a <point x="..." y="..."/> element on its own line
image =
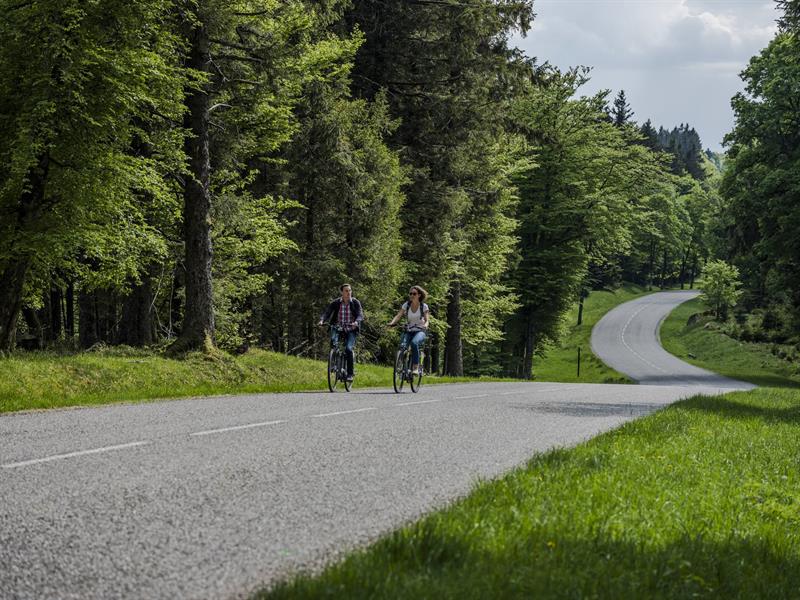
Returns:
<point x="621" y="112"/>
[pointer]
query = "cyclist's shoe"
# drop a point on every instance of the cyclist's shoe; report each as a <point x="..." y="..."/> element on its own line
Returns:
<point x="349" y="379"/>
<point x="415" y="371"/>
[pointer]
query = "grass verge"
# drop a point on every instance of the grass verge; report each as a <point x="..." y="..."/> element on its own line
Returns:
<point x="560" y="363"/>
<point x="711" y="349"/>
<point x="48" y="380"/>
<point x="701" y="499"/>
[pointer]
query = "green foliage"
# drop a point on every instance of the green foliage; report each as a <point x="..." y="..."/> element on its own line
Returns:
<point x="761" y="183"/>
<point x="443" y="65"/>
<point x="732" y="349"/>
<point x="577" y="202"/>
<point x="721" y="287"/>
<point x="74" y="193"/>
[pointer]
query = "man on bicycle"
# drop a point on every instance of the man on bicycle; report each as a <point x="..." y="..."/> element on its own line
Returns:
<point x="346" y="313"/>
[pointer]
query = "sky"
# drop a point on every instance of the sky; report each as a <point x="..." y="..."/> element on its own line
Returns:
<point x="677" y="60"/>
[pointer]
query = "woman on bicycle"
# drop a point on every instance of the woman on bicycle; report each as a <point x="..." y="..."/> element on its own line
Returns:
<point x="416" y="312"/>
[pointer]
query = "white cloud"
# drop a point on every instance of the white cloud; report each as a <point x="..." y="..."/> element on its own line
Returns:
<point x="662" y="52"/>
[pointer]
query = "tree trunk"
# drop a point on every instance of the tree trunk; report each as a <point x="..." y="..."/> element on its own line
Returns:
<point x="434" y="354"/>
<point x="197" y="331"/>
<point x="14" y="269"/>
<point x="136" y="325"/>
<point x="56" y="323"/>
<point x="651" y="265"/>
<point x="453" y="347"/>
<point x="664" y="270"/>
<point x="12" y="280"/>
<point x="88" y="334"/>
<point x="70" y="317"/>
<point x="530" y="346"/>
<point x="684" y="259"/>
<point x="693" y="271"/>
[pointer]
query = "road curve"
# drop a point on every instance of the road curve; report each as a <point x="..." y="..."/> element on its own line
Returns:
<point x="214" y="497"/>
<point x="627" y="339"/>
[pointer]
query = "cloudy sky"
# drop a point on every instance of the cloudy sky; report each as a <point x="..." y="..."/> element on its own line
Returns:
<point x="677" y="60"/>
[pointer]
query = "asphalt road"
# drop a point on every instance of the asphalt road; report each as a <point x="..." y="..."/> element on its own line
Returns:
<point x="626" y="339"/>
<point x="215" y="497"/>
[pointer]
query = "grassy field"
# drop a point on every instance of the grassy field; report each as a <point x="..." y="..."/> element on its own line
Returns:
<point x="560" y="364"/>
<point x="46" y="380"/>
<point x="713" y="350"/>
<point x="701" y="499"/>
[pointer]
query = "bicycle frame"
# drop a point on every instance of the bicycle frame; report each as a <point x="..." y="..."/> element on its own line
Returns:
<point x="402" y="367"/>
<point x="337" y="362"/>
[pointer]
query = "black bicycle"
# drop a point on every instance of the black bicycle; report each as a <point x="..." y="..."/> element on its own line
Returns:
<point x="337" y="362"/>
<point x="402" y="367"/>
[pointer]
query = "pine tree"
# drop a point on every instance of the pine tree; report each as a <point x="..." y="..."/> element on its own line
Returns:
<point x="447" y="68"/>
<point x="621" y="112"/>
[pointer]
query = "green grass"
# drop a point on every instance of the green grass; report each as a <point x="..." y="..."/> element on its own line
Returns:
<point x="560" y="363"/>
<point x="701" y="499"/>
<point x="711" y="349"/>
<point x="48" y="380"/>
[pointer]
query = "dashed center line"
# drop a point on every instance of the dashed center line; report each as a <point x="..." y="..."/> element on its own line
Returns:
<point x="250" y="426"/>
<point x="237" y="427"/>
<point x="34" y="461"/>
<point x="343" y="412"/>
<point x="635" y="353"/>
<point x="420" y="402"/>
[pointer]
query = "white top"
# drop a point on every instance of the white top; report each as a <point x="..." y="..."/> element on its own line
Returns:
<point x="415" y="318"/>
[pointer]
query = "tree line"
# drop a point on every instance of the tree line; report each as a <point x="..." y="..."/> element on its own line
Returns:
<point x="198" y="174"/>
<point x="761" y="187"/>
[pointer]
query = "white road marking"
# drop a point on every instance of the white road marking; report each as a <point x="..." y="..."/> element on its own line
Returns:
<point x="236" y="427"/>
<point x="537" y="391"/>
<point x="622" y="337"/>
<point x="343" y="412"/>
<point x="419" y="402"/>
<point x="25" y="463"/>
<point x="465" y="397"/>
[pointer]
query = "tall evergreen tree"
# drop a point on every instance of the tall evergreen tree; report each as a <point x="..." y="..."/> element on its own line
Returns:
<point x="443" y="65"/>
<point x="621" y="112"/>
<point x="251" y="61"/>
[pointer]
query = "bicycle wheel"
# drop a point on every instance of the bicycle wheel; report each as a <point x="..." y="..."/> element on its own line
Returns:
<point x="398" y="377"/>
<point x="333" y="369"/>
<point x="343" y="371"/>
<point x="416" y="380"/>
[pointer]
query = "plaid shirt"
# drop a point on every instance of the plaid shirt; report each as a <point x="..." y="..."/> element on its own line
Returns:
<point x="344" y="315"/>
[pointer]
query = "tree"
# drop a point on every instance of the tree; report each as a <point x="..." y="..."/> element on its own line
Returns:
<point x="720" y="287"/>
<point x="761" y="183"/>
<point x="346" y="226"/>
<point x="251" y="62"/>
<point x="447" y="69"/>
<point x="71" y="112"/>
<point x="650" y="135"/>
<point x="621" y="112"/>
<point x="576" y="204"/>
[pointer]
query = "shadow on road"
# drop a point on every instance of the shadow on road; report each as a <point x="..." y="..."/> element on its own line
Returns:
<point x="591" y="409"/>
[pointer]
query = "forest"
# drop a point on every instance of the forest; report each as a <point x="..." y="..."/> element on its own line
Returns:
<point x="203" y="175"/>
